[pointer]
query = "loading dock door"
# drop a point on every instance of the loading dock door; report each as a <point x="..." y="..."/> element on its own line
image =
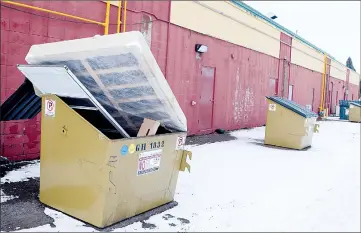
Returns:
<point x="206" y="89"/>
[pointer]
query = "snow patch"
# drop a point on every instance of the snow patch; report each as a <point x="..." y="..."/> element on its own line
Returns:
<point x="5" y="198"/>
<point x="23" y="174"/>
<point x="62" y="222"/>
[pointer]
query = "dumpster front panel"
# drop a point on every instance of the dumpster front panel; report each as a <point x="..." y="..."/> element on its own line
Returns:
<point x="72" y="178"/>
<point x="285" y="128"/>
<point x="143" y="173"/>
<point x="98" y="180"/>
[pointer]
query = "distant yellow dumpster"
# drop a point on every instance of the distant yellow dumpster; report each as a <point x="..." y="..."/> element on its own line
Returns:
<point x="354" y="114"/>
<point x="289" y="124"/>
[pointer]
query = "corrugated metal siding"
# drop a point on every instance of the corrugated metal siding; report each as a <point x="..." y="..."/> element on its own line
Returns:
<point x="353" y="90"/>
<point x="22" y="105"/>
<point x="241" y="82"/>
<point x="21" y="139"/>
<point x="337" y="90"/>
<point x="304" y="81"/>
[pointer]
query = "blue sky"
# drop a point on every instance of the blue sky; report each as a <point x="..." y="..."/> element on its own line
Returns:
<point x="337" y="31"/>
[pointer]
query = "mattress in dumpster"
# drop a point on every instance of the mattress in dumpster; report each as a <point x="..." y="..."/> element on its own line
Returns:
<point x="120" y="71"/>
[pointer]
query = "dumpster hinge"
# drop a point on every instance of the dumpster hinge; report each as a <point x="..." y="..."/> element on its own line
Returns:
<point x="184" y="164"/>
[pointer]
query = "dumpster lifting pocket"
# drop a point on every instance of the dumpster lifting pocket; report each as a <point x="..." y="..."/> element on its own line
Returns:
<point x="184" y="163"/>
<point x="316" y="128"/>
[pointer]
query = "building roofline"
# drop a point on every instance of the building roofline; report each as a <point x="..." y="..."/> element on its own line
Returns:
<point x="258" y="14"/>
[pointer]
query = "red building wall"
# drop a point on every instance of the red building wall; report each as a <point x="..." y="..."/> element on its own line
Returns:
<point x="21" y="139"/>
<point x="337" y="90"/>
<point x="307" y="86"/>
<point x="242" y="79"/>
<point x="353" y="92"/>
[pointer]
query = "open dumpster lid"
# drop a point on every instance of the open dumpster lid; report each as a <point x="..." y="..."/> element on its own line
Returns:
<point x="59" y="80"/>
<point x="355" y="104"/>
<point x="120" y="72"/>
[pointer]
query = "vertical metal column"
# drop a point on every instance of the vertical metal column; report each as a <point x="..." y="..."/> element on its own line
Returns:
<point x="285" y="78"/>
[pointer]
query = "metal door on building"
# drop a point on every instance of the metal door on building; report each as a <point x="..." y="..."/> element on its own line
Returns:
<point x="273" y="86"/>
<point x="205" y="103"/>
<point x="290" y="92"/>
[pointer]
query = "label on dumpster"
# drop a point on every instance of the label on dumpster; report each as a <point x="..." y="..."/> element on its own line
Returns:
<point x="49" y="107"/>
<point x="272" y="107"/>
<point x="149" y="162"/>
<point x="181" y="140"/>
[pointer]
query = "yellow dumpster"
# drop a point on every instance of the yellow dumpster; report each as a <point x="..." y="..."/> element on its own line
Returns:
<point x="289" y="124"/>
<point x="112" y="132"/>
<point x="354" y="114"/>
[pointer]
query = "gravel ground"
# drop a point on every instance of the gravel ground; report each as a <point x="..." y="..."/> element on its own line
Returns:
<point x="27" y="212"/>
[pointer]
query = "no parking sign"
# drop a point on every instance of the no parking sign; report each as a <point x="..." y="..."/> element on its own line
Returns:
<point x="50" y="107"/>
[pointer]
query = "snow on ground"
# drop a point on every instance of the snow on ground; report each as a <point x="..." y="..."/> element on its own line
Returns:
<point x="242" y="185"/>
<point x="22" y="174"/>
<point x="5" y="198"/>
<point x="62" y="222"/>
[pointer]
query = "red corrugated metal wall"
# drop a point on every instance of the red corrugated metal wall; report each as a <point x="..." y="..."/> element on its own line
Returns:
<point x="242" y="79"/>
<point x="337" y="92"/>
<point x="21" y="139"/>
<point x="353" y="92"/>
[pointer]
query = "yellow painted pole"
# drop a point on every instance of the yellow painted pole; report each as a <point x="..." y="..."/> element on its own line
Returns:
<point x="53" y="12"/>
<point x="107" y="13"/>
<point x="125" y="15"/>
<point x="118" y="20"/>
<point x="323" y="83"/>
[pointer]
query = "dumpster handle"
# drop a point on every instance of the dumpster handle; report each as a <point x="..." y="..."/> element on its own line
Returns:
<point x="184" y="163"/>
<point x="316" y="128"/>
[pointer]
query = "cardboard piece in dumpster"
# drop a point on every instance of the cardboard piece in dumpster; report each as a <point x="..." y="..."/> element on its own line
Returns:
<point x="89" y="169"/>
<point x="148" y="128"/>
